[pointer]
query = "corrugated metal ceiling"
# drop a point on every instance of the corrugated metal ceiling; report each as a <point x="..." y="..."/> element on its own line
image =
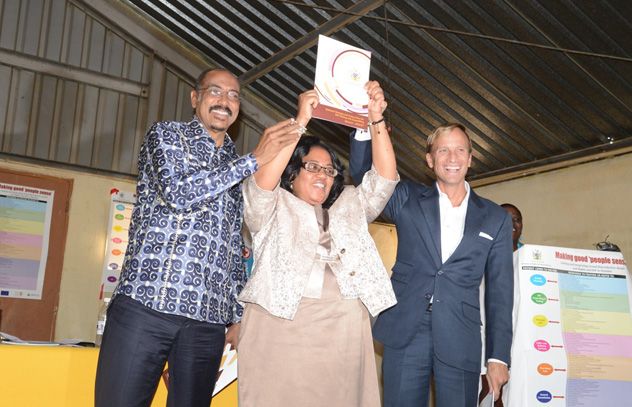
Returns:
<point x="533" y="81"/>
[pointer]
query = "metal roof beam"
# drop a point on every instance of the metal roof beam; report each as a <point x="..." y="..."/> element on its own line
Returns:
<point x="72" y="73"/>
<point x="343" y="19"/>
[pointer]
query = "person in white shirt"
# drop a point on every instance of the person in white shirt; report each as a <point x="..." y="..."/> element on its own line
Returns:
<point x="516" y="233"/>
<point x="449" y="240"/>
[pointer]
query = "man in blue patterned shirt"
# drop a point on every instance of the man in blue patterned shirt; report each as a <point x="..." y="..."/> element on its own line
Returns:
<point x="183" y="267"/>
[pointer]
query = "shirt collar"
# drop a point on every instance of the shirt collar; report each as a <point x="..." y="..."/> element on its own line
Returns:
<point x="196" y="122"/>
<point x="443" y="196"/>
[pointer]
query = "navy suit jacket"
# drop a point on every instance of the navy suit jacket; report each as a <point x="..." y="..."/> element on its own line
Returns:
<point x="418" y="274"/>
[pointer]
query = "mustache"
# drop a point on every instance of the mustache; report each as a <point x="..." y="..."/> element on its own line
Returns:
<point x="220" y="107"/>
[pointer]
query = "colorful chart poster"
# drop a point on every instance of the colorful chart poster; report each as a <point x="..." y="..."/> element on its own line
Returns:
<point x="341" y="73"/>
<point x="573" y="338"/>
<point x="121" y="205"/>
<point x="25" y="216"/>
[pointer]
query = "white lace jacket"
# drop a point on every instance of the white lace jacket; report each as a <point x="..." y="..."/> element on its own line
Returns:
<point x="285" y="236"/>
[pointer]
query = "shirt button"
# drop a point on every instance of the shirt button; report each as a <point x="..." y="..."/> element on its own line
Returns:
<point x="440" y="272"/>
<point x="428" y="296"/>
<point x="352" y="273"/>
<point x="342" y="251"/>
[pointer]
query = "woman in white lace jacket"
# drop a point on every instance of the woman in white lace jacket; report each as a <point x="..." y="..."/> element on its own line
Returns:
<point x="305" y="336"/>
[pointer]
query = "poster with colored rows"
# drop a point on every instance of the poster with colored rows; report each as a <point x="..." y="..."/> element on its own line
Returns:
<point x="573" y="335"/>
<point x="121" y="205"/>
<point x="25" y="218"/>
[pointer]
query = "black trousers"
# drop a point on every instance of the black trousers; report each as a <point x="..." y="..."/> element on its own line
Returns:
<point x="136" y="344"/>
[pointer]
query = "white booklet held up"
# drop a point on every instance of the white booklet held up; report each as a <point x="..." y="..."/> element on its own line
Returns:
<point x="341" y="73"/>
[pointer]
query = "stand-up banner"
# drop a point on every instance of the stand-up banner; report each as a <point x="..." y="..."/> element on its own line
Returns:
<point x="121" y="206"/>
<point x="573" y="335"/>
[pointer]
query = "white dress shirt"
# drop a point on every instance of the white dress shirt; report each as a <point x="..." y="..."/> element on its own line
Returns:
<point x="452" y="222"/>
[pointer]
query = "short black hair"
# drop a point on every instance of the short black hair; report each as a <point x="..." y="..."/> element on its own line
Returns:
<point x="202" y="75"/>
<point x="508" y="205"/>
<point x="294" y="166"/>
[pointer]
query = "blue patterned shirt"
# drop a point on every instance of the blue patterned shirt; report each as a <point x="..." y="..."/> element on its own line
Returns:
<point x="184" y="254"/>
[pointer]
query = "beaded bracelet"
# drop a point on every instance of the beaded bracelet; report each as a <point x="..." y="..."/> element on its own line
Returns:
<point x="376" y="122"/>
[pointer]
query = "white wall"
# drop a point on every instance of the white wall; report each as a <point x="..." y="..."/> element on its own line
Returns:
<point x="574" y="207"/>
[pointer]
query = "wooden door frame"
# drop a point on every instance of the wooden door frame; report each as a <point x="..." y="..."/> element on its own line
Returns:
<point x="36" y="319"/>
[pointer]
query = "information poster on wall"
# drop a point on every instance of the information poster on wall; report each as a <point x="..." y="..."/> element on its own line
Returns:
<point x="573" y="339"/>
<point x="121" y="205"/>
<point x="25" y="216"/>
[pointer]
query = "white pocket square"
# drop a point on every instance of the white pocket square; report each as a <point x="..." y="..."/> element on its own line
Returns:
<point x="485" y="235"/>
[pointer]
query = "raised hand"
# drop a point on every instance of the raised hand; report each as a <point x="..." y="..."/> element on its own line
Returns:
<point x="381" y="146"/>
<point x="377" y="103"/>
<point x="275" y="138"/>
<point x="307" y="102"/>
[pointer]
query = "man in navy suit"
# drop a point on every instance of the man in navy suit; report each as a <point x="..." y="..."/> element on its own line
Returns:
<point x="449" y="239"/>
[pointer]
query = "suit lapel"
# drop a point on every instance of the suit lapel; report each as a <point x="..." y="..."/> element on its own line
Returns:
<point x="474" y="220"/>
<point x="431" y="230"/>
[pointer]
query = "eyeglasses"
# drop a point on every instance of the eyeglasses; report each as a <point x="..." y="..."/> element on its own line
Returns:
<point x="218" y="92"/>
<point x="316" y="168"/>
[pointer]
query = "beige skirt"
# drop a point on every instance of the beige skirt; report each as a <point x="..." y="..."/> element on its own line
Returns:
<point x="323" y="357"/>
